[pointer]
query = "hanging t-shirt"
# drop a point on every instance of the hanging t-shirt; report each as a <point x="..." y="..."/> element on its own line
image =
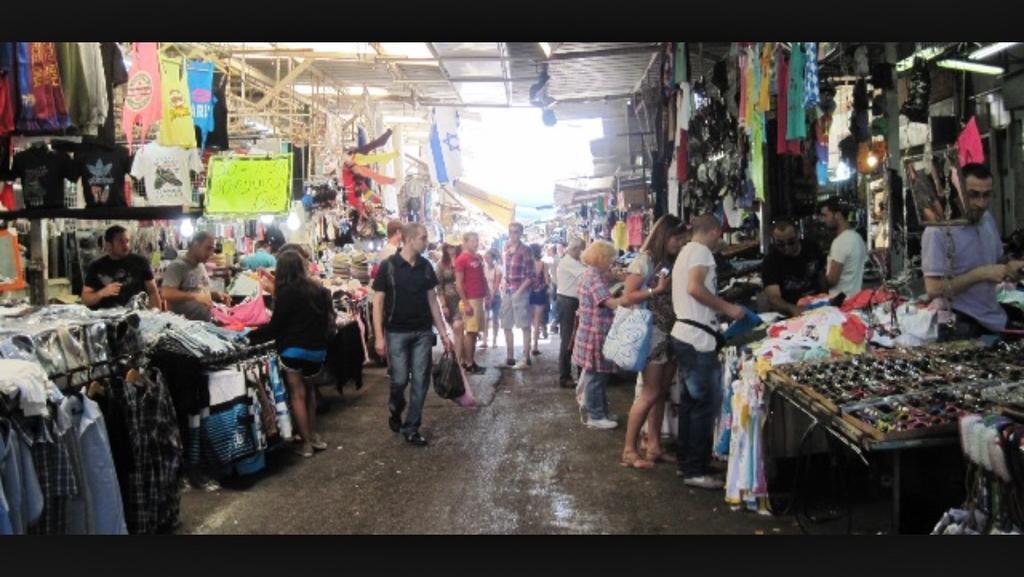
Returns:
<point x="114" y="74"/>
<point x="95" y="86"/>
<point x="101" y="170"/>
<point x="619" y="236"/>
<point x="142" y="99"/>
<point x="176" y="125"/>
<point x="42" y="172"/>
<point x="165" y="171"/>
<point x="635" y="228"/>
<point x="217" y="139"/>
<point x="73" y="81"/>
<point x="969" y="144"/>
<point x="796" y="120"/>
<point x="764" y="103"/>
<point x="200" y="86"/>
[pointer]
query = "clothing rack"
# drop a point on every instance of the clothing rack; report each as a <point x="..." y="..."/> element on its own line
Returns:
<point x="218" y="359"/>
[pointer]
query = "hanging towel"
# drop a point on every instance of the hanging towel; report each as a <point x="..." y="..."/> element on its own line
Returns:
<point x="142" y="101"/>
<point x="200" y="87"/>
<point x="796" y="120"/>
<point x="42" y="99"/>
<point x="176" y="125"/>
<point x="969" y="144"/>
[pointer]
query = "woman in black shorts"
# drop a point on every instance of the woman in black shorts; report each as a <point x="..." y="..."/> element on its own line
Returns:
<point x="303" y="314"/>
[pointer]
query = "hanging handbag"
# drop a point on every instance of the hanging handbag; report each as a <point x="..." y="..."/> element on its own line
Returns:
<point x="629" y="340"/>
<point x="449" y="382"/>
<point x="226" y="433"/>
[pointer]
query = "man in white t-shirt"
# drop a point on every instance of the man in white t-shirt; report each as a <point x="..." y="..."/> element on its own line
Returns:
<point x="849" y="253"/>
<point x="695" y="302"/>
<point x="567" y="279"/>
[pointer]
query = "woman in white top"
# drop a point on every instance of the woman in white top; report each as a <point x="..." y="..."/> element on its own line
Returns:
<point x="493" y="272"/>
<point x="648" y="283"/>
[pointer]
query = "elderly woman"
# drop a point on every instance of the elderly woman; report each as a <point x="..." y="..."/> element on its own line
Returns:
<point x="595" y="320"/>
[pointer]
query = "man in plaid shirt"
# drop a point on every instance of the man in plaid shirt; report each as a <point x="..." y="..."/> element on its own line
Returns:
<point x="515" y="306"/>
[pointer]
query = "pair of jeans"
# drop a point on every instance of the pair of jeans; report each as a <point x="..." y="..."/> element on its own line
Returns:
<point x="595" y="397"/>
<point x="409" y="354"/>
<point x="567" y="307"/>
<point x="701" y="372"/>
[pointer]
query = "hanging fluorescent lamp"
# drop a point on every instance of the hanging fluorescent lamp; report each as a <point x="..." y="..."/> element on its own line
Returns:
<point x="968" y="66"/>
<point x="925" y="54"/>
<point x="546" y="47"/>
<point x="986" y="51"/>
<point x="187" y="229"/>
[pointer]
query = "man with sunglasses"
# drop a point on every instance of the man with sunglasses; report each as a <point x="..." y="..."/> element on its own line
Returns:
<point x="793" y="269"/>
<point x="976" y="265"/>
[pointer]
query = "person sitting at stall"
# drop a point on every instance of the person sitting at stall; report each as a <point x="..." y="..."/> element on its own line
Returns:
<point x="300" y="327"/>
<point x="261" y="258"/>
<point x="186" y="286"/>
<point x="115" y="278"/>
<point x="848" y="253"/>
<point x="969" y="275"/>
<point x="793" y="269"/>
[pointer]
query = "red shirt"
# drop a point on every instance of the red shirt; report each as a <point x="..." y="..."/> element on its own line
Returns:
<point x="474" y="283"/>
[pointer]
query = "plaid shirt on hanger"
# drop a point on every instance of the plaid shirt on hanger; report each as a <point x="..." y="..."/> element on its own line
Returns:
<point x="54" y="470"/>
<point x="594" y="323"/>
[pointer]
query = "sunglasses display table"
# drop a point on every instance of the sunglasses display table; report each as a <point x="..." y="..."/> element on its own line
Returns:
<point x="894" y="401"/>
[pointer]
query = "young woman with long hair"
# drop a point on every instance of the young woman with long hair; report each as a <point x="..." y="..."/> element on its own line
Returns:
<point x="300" y="326"/>
<point x="648" y="283"/>
<point x="540" y="299"/>
<point x="447" y="292"/>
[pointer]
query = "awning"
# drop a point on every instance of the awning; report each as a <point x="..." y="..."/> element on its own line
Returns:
<point x="496" y="207"/>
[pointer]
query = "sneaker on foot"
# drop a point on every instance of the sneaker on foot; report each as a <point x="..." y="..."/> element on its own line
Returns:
<point x="612" y="417"/>
<point x="704" y="482"/>
<point x="601" y="424"/>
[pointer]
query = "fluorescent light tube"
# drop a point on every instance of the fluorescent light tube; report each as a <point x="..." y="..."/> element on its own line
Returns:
<point x="986" y="51"/>
<point x="968" y="66"/>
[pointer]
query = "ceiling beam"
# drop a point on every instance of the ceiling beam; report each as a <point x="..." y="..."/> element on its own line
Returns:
<point x="444" y="71"/>
<point x="285" y="82"/>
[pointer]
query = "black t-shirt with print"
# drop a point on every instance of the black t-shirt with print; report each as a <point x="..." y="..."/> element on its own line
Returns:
<point x="132" y="272"/>
<point x="42" y="172"/>
<point x="102" y="170"/>
<point x="797" y="276"/>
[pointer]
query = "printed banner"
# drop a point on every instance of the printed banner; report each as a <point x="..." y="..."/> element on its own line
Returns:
<point x="249" y="185"/>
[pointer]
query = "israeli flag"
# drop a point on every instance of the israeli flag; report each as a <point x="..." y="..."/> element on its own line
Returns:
<point x="445" y="148"/>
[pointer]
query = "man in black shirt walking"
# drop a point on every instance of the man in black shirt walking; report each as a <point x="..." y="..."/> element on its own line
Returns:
<point x="405" y="307"/>
<point x="112" y="280"/>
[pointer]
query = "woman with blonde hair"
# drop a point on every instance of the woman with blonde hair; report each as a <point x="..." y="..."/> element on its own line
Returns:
<point x="648" y="283"/>
<point x="595" y="320"/>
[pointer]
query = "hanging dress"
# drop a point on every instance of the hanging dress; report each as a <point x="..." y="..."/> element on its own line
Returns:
<point x="796" y="119"/>
<point x="200" y="86"/>
<point x="176" y="125"/>
<point x="142" y="102"/>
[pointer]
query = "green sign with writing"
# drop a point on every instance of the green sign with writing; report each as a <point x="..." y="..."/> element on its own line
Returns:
<point x="249" y="185"/>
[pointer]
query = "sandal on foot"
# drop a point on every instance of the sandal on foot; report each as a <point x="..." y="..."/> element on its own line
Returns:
<point x="633" y="460"/>
<point x="661" y="457"/>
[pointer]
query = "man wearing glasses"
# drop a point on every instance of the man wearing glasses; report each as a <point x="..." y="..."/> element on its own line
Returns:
<point x="793" y="269"/>
<point x="970" y="270"/>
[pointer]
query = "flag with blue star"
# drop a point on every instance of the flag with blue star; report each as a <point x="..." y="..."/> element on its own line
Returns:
<point x="445" y="148"/>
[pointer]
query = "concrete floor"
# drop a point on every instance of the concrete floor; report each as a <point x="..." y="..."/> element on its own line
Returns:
<point x="521" y="464"/>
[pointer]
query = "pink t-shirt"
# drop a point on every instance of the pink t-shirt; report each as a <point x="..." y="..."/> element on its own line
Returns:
<point x="474" y="281"/>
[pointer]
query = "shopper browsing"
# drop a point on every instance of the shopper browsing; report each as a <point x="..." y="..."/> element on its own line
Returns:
<point x="300" y="325"/>
<point x="540" y="299"/>
<point x="648" y="284"/>
<point x="492" y="268"/>
<point x="596" y="306"/>
<point x="515" y="305"/>
<point x="971" y="273"/>
<point x="115" y="278"/>
<point x="471" y="285"/>
<point x="695" y="302"/>
<point x="448" y="294"/>
<point x="186" y="286"/>
<point x="793" y="269"/>
<point x="570" y="270"/>
<point x="405" y="306"/>
<point x="848" y="254"/>
<point x="261" y="259"/>
<point x="394" y="232"/>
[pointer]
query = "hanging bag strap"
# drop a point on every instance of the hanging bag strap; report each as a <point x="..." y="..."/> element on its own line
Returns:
<point x="719" y="339"/>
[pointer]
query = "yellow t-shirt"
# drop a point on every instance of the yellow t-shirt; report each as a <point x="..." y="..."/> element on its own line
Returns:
<point x="176" y="126"/>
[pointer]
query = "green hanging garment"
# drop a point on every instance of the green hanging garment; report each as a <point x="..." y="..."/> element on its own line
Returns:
<point x="796" y="118"/>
